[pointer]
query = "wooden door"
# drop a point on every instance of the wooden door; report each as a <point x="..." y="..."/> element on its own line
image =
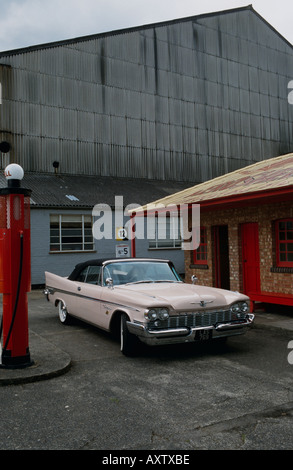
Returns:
<point x="221" y="256"/>
<point x="250" y="258"/>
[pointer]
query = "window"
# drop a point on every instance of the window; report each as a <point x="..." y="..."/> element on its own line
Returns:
<point x="284" y="242"/>
<point x="200" y="255"/>
<point x="71" y="233"/>
<point x="164" y="232"/>
<point x="90" y="275"/>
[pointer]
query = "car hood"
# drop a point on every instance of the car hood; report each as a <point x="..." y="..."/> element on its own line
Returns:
<point x="180" y="295"/>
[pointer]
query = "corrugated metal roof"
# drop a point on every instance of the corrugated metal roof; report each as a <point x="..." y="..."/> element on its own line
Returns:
<point x="84" y="192"/>
<point x="272" y="174"/>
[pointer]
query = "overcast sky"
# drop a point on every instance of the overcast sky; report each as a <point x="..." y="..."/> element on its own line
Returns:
<point x="32" y="22"/>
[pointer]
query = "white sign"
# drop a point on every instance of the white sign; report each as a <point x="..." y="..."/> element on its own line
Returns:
<point x="122" y="251"/>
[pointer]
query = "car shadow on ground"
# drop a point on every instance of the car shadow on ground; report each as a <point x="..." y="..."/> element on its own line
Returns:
<point x="169" y="352"/>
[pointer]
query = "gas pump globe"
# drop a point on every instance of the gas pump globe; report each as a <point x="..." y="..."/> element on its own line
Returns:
<point x="15" y="278"/>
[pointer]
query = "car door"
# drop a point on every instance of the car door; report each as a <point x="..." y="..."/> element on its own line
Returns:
<point x="88" y="292"/>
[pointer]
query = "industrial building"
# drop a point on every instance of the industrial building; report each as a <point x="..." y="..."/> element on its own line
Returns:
<point x="140" y="113"/>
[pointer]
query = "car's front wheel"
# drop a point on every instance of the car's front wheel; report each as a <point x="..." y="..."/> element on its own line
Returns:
<point x="64" y="317"/>
<point x="128" y="342"/>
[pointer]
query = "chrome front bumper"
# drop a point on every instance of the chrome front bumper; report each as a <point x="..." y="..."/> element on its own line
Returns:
<point x="188" y="334"/>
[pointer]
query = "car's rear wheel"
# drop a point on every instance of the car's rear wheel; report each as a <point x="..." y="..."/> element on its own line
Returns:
<point x="64" y="316"/>
<point x="128" y="342"/>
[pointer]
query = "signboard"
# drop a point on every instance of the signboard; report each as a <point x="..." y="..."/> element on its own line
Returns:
<point x="121" y="233"/>
<point x="122" y="251"/>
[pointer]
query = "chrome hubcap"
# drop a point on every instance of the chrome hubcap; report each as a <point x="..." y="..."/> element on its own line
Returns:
<point x="62" y="312"/>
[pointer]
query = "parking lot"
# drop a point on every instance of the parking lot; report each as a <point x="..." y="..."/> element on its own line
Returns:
<point x="189" y="397"/>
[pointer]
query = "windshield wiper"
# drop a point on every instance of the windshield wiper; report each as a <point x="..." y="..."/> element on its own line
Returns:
<point x="149" y="281"/>
<point x="138" y="282"/>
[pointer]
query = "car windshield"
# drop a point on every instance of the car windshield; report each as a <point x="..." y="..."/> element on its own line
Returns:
<point x="134" y="272"/>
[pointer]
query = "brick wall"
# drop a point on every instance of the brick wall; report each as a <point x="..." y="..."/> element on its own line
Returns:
<point x="265" y="215"/>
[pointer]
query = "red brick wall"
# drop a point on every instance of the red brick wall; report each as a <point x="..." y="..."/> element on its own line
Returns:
<point x="264" y="215"/>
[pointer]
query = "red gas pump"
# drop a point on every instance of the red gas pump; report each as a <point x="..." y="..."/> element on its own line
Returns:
<point x="15" y="280"/>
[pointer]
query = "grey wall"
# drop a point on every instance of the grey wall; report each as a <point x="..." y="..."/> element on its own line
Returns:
<point x="41" y="258"/>
<point x="63" y="263"/>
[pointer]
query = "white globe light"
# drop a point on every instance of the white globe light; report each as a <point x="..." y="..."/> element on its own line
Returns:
<point x="13" y="172"/>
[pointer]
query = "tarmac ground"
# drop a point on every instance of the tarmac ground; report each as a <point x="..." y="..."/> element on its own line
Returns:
<point x="48" y="361"/>
<point x="234" y="396"/>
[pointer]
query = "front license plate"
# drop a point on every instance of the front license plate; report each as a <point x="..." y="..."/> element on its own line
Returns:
<point x="203" y="335"/>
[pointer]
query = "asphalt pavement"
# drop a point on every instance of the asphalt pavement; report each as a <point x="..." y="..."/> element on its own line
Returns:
<point x="48" y="361"/>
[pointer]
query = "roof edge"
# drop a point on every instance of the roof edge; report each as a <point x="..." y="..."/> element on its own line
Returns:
<point x="262" y="193"/>
<point x="271" y="27"/>
<point x="266" y="196"/>
<point x="90" y="37"/>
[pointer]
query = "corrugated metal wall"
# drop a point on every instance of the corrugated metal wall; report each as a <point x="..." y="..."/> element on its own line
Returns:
<point x="187" y="100"/>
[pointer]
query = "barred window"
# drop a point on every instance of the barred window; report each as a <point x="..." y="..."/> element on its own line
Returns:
<point x="284" y="242"/>
<point x="200" y="255"/>
<point x="165" y="232"/>
<point x="71" y="232"/>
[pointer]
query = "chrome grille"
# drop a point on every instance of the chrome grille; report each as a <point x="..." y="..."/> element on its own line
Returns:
<point x="197" y="319"/>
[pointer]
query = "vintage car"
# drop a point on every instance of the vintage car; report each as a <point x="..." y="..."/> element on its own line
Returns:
<point x="146" y="299"/>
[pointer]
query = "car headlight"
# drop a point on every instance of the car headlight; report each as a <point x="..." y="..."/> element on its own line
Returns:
<point x="163" y="314"/>
<point x="153" y="314"/>
<point x="244" y="307"/>
<point x="235" y="308"/>
<point x="240" y="307"/>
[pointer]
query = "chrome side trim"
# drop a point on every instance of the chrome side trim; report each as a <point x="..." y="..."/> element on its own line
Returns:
<point x="53" y="290"/>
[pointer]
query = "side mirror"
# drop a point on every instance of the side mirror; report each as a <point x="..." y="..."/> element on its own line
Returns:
<point x="109" y="282"/>
<point x="194" y="279"/>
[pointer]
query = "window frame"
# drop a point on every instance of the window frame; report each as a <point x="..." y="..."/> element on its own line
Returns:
<point x="86" y="274"/>
<point x="204" y="245"/>
<point x="157" y="243"/>
<point x="84" y="246"/>
<point x="285" y="241"/>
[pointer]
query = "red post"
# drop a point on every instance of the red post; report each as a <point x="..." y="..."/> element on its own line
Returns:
<point x="15" y="278"/>
<point x="132" y="230"/>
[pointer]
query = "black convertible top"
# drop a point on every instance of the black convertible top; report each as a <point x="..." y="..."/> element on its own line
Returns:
<point x="98" y="262"/>
<point x="79" y="267"/>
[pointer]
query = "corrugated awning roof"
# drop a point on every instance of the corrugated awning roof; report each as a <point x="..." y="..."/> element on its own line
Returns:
<point x="274" y="174"/>
<point x="84" y="192"/>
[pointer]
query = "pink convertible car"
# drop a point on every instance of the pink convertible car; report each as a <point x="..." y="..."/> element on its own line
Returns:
<point x="145" y="299"/>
